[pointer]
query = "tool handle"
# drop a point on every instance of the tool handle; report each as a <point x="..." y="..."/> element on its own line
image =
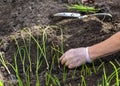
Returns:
<point x="101" y="14"/>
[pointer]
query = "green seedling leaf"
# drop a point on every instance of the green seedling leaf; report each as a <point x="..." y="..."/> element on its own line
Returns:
<point x="1" y="83"/>
<point x="83" y="8"/>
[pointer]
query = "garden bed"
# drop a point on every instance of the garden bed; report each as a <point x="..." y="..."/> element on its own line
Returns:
<point x="34" y="40"/>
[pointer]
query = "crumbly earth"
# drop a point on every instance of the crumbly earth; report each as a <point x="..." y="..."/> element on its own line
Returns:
<point x="36" y="15"/>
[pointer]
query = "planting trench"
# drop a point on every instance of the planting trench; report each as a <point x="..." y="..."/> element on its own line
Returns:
<point x="15" y="16"/>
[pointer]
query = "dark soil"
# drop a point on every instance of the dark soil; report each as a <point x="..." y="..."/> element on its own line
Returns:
<point x="16" y="15"/>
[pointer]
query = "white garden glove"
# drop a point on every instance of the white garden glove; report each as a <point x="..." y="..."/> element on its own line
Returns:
<point x="75" y="57"/>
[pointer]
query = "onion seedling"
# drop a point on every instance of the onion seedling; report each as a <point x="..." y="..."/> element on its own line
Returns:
<point x="112" y="75"/>
<point x="27" y="49"/>
<point x="49" y="77"/>
<point x="15" y="68"/>
<point x="83" y="8"/>
<point x="105" y="78"/>
<point x="74" y="73"/>
<point x="38" y="65"/>
<point x="42" y="49"/>
<point x="117" y="62"/>
<point x="117" y="74"/>
<point x="83" y="83"/>
<point x="64" y="74"/>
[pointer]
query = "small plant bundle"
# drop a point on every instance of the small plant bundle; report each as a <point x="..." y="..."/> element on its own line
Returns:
<point x="83" y="8"/>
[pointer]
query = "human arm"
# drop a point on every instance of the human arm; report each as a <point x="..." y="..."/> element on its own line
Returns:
<point x="105" y="48"/>
<point x="78" y="56"/>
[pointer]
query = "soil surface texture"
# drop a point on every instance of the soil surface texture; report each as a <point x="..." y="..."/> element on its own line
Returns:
<point x="19" y="17"/>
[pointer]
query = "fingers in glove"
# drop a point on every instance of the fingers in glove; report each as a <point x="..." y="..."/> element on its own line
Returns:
<point x="63" y="59"/>
<point x="71" y="66"/>
<point x="68" y="62"/>
<point x="74" y="65"/>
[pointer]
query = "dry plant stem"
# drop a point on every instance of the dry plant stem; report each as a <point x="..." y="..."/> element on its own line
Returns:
<point x="5" y="65"/>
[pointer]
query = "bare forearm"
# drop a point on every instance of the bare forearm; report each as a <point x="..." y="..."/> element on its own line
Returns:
<point x="106" y="47"/>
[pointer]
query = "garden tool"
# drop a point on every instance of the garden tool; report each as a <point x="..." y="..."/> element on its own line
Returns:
<point x="78" y="15"/>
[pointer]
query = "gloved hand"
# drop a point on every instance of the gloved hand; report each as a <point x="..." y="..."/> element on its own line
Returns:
<point x="75" y="57"/>
<point x="88" y="1"/>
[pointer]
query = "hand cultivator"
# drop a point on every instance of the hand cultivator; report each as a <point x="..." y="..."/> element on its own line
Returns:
<point x="91" y="10"/>
<point x="78" y="15"/>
